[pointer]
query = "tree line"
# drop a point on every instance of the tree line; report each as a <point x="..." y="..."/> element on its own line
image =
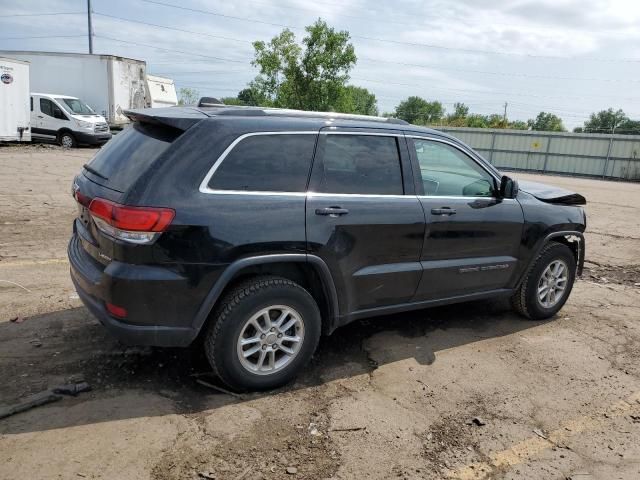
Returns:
<point x="314" y="75"/>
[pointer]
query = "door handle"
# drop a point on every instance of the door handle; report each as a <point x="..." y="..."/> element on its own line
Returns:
<point x="443" y="211"/>
<point x="332" y="211"/>
<point x="40" y="116"/>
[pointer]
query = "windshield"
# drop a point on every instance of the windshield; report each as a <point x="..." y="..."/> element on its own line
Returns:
<point x="75" y="105"/>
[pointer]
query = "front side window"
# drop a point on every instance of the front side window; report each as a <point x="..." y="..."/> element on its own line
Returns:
<point x="446" y="171"/>
<point x="361" y="164"/>
<point x="46" y="106"/>
<point x="267" y="163"/>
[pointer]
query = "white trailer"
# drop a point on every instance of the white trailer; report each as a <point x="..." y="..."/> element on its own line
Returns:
<point x="15" y="115"/>
<point x="161" y="92"/>
<point x="107" y="83"/>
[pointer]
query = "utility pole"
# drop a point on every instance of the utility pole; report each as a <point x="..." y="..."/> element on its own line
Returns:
<point x="89" y="27"/>
<point x="504" y="117"/>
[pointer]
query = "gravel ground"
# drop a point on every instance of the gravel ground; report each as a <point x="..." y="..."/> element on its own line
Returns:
<point x="392" y="397"/>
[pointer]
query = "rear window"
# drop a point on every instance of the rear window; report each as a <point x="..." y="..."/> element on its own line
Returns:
<point x="267" y="163"/>
<point x="130" y="153"/>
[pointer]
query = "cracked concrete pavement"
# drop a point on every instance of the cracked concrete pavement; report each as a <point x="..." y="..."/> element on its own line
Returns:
<point x="390" y="397"/>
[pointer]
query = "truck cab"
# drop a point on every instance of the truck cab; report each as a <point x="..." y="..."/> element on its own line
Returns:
<point x="66" y="120"/>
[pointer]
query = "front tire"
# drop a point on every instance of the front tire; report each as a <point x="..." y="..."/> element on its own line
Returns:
<point x="548" y="283"/>
<point x="67" y="140"/>
<point x="263" y="333"/>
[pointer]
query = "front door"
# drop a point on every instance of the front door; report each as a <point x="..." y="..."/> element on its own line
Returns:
<point x="363" y="217"/>
<point x="50" y="119"/>
<point x="472" y="236"/>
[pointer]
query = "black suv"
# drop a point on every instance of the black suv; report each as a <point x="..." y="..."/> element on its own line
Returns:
<point x="258" y="230"/>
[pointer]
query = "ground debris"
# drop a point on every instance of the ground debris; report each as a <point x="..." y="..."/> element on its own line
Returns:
<point x="540" y="433"/>
<point x="477" y="421"/>
<point x="36" y="400"/>
<point x="44" y="397"/>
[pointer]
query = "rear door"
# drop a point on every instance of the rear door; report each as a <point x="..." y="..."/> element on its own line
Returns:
<point x="472" y="236"/>
<point x="363" y="217"/>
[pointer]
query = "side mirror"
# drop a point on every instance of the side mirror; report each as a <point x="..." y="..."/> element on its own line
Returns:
<point x="57" y="113"/>
<point x="508" y="187"/>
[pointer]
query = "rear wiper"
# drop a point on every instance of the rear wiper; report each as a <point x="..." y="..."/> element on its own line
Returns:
<point x="94" y="171"/>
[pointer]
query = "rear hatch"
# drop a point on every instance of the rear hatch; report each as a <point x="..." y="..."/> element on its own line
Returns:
<point x="110" y="175"/>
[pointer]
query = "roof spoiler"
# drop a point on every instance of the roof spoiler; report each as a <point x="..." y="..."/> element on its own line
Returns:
<point x="180" y="118"/>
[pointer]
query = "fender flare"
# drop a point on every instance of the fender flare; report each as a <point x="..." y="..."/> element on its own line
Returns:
<point x="551" y="236"/>
<point x="216" y="291"/>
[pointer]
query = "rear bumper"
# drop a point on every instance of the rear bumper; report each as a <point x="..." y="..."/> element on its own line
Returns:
<point x="96" y="286"/>
<point x="92" y="138"/>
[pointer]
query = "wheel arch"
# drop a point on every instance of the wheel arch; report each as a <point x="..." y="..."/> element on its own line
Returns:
<point x="309" y="271"/>
<point x="571" y="238"/>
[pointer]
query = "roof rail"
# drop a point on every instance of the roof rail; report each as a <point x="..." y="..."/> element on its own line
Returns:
<point x="264" y="111"/>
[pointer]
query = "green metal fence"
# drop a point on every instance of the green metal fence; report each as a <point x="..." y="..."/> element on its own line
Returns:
<point x="580" y="154"/>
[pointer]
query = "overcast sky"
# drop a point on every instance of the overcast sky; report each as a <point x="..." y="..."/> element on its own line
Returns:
<point x="569" y="57"/>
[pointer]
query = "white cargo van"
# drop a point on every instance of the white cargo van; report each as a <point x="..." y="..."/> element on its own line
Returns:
<point x="67" y="120"/>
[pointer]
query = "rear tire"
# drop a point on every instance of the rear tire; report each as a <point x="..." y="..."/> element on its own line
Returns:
<point x="547" y="283"/>
<point x="262" y="334"/>
<point x="67" y="140"/>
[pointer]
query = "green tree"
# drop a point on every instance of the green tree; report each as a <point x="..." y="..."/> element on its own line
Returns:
<point x="357" y="100"/>
<point x="420" y="111"/>
<point x="547" y="122"/>
<point x="308" y="77"/>
<point x="629" y="127"/>
<point x="459" y="116"/>
<point x="518" y="125"/>
<point x="496" y="120"/>
<point x="605" y="121"/>
<point x="188" y="96"/>
<point x="476" y="120"/>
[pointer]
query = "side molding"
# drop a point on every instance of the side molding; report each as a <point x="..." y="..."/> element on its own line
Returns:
<point x="226" y="277"/>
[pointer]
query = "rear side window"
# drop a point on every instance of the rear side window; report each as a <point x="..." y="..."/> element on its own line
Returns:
<point x="130" y="153"/>
<point x="361" y="164"/>
<point x="266" y="163"/>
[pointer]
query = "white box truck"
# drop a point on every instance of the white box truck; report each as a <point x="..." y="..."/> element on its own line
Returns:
<point x="15" y="115"/>
<point x="107" y="83"/>
<point x="161" y="92"/>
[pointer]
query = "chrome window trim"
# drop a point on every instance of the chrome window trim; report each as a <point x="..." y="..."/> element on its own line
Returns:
<point x="463" y="150"/>
<point x="357" y="195"/>
<point x="371" y="134"/>
<point x="204" y="185"/>
<point x="462" y="197"/>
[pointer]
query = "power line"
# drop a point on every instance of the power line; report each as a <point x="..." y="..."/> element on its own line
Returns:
<point x="171" y="28"/>
<point x="397" y="42"/>
<point x="376" y="60"/>
<point x="502" y="74"/>
<point x="41" y="36"/>
<point x="171" y="50"/>
<point x="40" y="14"/>
<point x="485" y="92"/>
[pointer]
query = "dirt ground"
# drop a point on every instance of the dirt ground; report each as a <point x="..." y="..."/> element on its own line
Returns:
<point x="391" y="397"/>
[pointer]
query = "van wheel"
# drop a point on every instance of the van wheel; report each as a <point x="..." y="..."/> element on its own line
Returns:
<point x="262" y="334"/>
<point x="547" y="284"/>
<point x="67" y="140"/>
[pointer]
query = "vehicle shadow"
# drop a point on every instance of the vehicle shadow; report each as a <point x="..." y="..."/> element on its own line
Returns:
<point x="51" y="349"/>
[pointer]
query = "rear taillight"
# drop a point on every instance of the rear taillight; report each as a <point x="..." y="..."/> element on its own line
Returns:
<point x="116" y="311"/>
<point x="131" y="224"/>
<point x="82" y="199"/>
